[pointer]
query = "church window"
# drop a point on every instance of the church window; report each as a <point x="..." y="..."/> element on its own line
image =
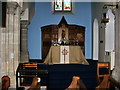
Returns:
<point x="62" y="6"/>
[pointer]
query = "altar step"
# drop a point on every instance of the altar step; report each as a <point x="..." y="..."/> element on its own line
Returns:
<point x="60" y="76"/>
<point x="64" y="82"/>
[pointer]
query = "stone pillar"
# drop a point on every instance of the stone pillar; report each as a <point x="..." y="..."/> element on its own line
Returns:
<point x="24" y="40"/>
<point x="2" y="53"/>
<point x="6" y="44"/>
<point x="16" y="38"/>
<point x="10" y="63"/>
<point x="13" y="41"/>
<point x="0" y="58"/>
<point x="102" y="42"/>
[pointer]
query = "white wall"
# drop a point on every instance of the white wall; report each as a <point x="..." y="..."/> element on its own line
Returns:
<point x="95" y="39"/>
<point x="110" y="32"/>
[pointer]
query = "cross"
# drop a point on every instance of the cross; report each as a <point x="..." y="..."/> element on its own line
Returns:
<point x="64" y="52"/>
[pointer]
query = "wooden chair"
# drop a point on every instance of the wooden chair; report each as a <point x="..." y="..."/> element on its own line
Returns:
<point x="5" y="82"/>
<point x="35" y="84"/>
<point x="76" y="84"/>
<point x="105" y="84"/>
<point x="103" y="68"/>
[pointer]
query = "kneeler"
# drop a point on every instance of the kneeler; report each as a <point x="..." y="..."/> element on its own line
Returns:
<point x="76" y="84"/>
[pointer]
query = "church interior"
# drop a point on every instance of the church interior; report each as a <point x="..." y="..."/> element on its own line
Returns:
<point x="59" y="45"/>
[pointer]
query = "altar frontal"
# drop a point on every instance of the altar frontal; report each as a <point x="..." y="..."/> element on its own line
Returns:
<point x="65" y="55"/>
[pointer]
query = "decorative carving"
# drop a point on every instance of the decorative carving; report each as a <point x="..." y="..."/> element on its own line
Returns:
<point x="24" y="24"/>
<point x="62" y="31"/>
<point x="11" y="7"/>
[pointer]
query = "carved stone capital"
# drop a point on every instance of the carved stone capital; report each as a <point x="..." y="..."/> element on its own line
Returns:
<point x="17" y="11"/>
<point x="11" y="7"/>
<point x="24" y="24"/>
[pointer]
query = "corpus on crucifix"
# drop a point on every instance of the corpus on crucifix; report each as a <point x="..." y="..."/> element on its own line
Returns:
<point x="64" y="52"/>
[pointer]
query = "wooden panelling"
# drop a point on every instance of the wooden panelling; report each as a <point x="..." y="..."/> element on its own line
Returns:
<point x="74" y="33"/>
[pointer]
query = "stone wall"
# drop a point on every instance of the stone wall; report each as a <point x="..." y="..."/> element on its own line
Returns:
<point x="116" y="70"/>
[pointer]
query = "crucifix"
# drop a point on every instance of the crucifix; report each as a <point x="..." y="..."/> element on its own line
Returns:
<point x="64" y="52"/>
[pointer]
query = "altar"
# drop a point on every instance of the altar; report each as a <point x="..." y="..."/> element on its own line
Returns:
<point x="65" y="55"/>
<point x="60" y="35"/>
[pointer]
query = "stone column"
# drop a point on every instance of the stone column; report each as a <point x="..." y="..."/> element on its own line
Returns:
<point x="24" y="40"/>
<point x="10" y="62"/>
<point x="102" y="42"/>
<point x="2" y="53"/>
<point x="16" y="38"/>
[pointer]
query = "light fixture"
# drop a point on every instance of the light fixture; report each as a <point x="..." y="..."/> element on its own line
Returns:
<point x="104" y="18"/>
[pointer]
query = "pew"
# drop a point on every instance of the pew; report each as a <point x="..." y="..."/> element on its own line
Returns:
<point x="27" y="71"/>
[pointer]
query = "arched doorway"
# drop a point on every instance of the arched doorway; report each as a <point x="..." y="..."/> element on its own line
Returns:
<point x="95" y="40"/>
